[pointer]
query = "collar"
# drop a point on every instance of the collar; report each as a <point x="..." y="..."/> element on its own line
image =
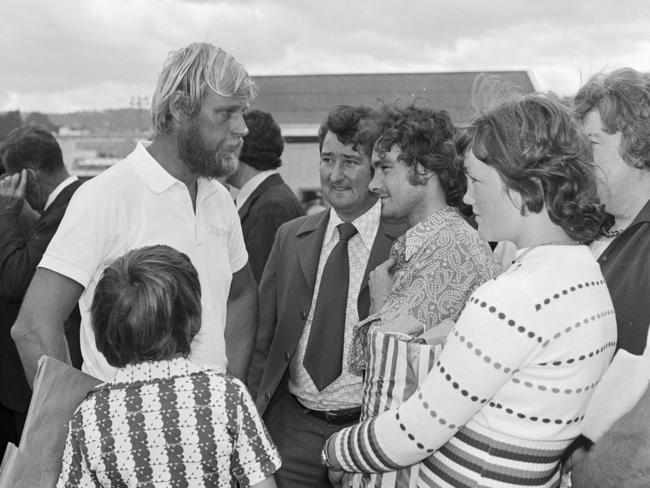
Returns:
<point x="249" y="187"/>
<point x="59" y="188"/>
<point x="420" y="234"/>
<point x="366" y="224"/>
<point x="156" y="370"/>
<point x="158" y="179"/>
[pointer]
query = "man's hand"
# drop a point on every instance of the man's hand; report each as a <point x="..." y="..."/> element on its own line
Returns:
<point x="405" y="324"/>
<point x="12" y="192"/>
<point x="438" y="335"/>
<point x="380" y="281"/>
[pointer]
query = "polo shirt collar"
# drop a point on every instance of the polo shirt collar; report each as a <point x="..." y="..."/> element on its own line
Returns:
<point x="152" y="173"/>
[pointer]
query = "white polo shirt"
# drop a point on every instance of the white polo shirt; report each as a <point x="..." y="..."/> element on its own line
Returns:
<point x="137" y="203"/>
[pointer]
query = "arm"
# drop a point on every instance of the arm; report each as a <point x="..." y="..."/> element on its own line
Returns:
<point x="267" y="318"/>
<point x="241" y="322"/>
<point x="18" y="255"/>
<point x="39" y="327"/>
<point x="255" y="457"/>
<point x="454" y="391"/>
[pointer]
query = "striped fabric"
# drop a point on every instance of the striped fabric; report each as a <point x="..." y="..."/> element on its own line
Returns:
<point x="509" y="391"/>
<point x="396" y="368"/>
<point x="502" y="462"/>
<point x="167" y="423"/>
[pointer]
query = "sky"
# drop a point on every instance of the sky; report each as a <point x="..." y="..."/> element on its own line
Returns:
<point x="62" y="56"/>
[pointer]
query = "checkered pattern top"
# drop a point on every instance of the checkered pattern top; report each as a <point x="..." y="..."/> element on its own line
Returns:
<point x="171" y="424"/>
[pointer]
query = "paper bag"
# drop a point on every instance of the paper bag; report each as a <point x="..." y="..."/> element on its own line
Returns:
<point x="58" y="391"/>
<point x="395" y="369"/>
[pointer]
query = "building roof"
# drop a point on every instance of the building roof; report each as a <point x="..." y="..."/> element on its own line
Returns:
<point x="305" y="100"/>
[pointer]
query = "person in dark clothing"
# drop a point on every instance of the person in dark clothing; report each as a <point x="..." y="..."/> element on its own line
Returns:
<point x="264" y="202"/>
<point x="35" y="177"/>
<point x="615" y="112"/>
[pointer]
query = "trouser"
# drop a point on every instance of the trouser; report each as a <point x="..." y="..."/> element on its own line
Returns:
<point x="299" y="437"/>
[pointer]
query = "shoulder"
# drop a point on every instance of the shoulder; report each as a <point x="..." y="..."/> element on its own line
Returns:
<point x="218" y="382"/>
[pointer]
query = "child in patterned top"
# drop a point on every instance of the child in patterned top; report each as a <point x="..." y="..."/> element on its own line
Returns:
<point x="162" y="421"/>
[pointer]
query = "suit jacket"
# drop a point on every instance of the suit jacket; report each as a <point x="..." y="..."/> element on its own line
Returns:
<point x="286" y="292"/>
<point x="19" y="256"/>
<point x="270" y="205"/>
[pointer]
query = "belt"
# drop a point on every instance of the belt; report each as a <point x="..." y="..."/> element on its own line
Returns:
<point x="336" y="417"/>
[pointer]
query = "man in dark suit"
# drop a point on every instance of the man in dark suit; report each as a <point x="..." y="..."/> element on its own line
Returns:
<point x="299" y="372"/>
<point x="264" y="201"/>
<point x="35" y="174"/>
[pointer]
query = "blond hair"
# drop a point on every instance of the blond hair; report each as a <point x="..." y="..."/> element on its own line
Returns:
<point x="190" y="72"/>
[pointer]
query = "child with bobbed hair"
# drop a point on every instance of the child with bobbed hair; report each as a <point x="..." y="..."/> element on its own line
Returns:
<point x="163" y="421"/>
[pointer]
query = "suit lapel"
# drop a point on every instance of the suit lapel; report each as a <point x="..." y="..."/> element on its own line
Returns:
<point x="63" y="198"/>
<point x="274" y="179"/>
<point x="309" y="243"/>
<point x="386" y="234"/>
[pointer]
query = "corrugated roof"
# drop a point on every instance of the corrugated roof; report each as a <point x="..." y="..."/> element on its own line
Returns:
<point x="306" y="99"/>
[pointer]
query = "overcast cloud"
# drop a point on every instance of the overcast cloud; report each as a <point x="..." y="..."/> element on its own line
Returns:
<point x="66" y="55"/>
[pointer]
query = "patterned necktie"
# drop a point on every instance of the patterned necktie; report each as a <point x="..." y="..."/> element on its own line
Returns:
<point x="324" y="354"/>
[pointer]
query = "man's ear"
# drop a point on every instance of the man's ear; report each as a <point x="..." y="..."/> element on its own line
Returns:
<point x="179" y="106"/>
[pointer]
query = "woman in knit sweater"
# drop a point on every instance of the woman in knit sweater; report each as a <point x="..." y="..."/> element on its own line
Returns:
<point x="509" y="391"/>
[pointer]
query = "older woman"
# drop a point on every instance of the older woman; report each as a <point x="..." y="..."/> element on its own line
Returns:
<point x="509" y="391"/>
<point x="615" y="113"/>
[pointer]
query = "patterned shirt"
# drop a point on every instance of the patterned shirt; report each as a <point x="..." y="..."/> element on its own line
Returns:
<point x="167" y="424"/>
<point x="511" y="386"/>
<point x="345" y="391"/>
<point x="440" y="262"/>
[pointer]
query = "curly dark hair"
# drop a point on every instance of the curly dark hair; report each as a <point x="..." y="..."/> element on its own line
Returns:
<point x="350" y="125"/>
<point x="424" y="136"/>
<point x="538" y="149"/>
<point x="147" y="306"/>
<point x="263" y="145"/>
<point x="622" y="99"/>
<point x="31" y="146"/>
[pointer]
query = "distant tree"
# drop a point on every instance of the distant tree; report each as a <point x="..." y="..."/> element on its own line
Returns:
<point x="43" y="119"/>
<point x="8" y="122"/>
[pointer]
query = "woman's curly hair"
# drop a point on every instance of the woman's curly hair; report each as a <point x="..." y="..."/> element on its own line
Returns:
<point x="538" y="149"/>
<point x="622" y="98"/>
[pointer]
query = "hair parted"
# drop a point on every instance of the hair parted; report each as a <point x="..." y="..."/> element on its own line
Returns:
<point x="538" y="149"/>
<point x="350" y="125"/>
<point x="31" y="146"/>
<point x="263" y="145"/>
<point x="147" y="306"/>
<point x="190" y="72"/>
<point x="622" y="99"/>
<point x="425" y="136"/>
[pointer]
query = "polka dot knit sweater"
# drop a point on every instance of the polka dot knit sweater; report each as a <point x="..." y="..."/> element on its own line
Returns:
<point x="510" y="388"/>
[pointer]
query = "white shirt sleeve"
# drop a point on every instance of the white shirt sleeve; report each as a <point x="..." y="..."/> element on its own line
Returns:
<point x="86" y="233"/>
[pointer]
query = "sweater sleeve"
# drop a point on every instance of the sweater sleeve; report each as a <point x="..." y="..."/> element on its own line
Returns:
<point x="483" y="351"/>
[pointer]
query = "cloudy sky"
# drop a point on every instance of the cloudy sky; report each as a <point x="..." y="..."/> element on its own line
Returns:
<point x="67" y="55"/>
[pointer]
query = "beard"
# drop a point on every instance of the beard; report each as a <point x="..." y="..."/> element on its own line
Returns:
<point x="203" y="160"/>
